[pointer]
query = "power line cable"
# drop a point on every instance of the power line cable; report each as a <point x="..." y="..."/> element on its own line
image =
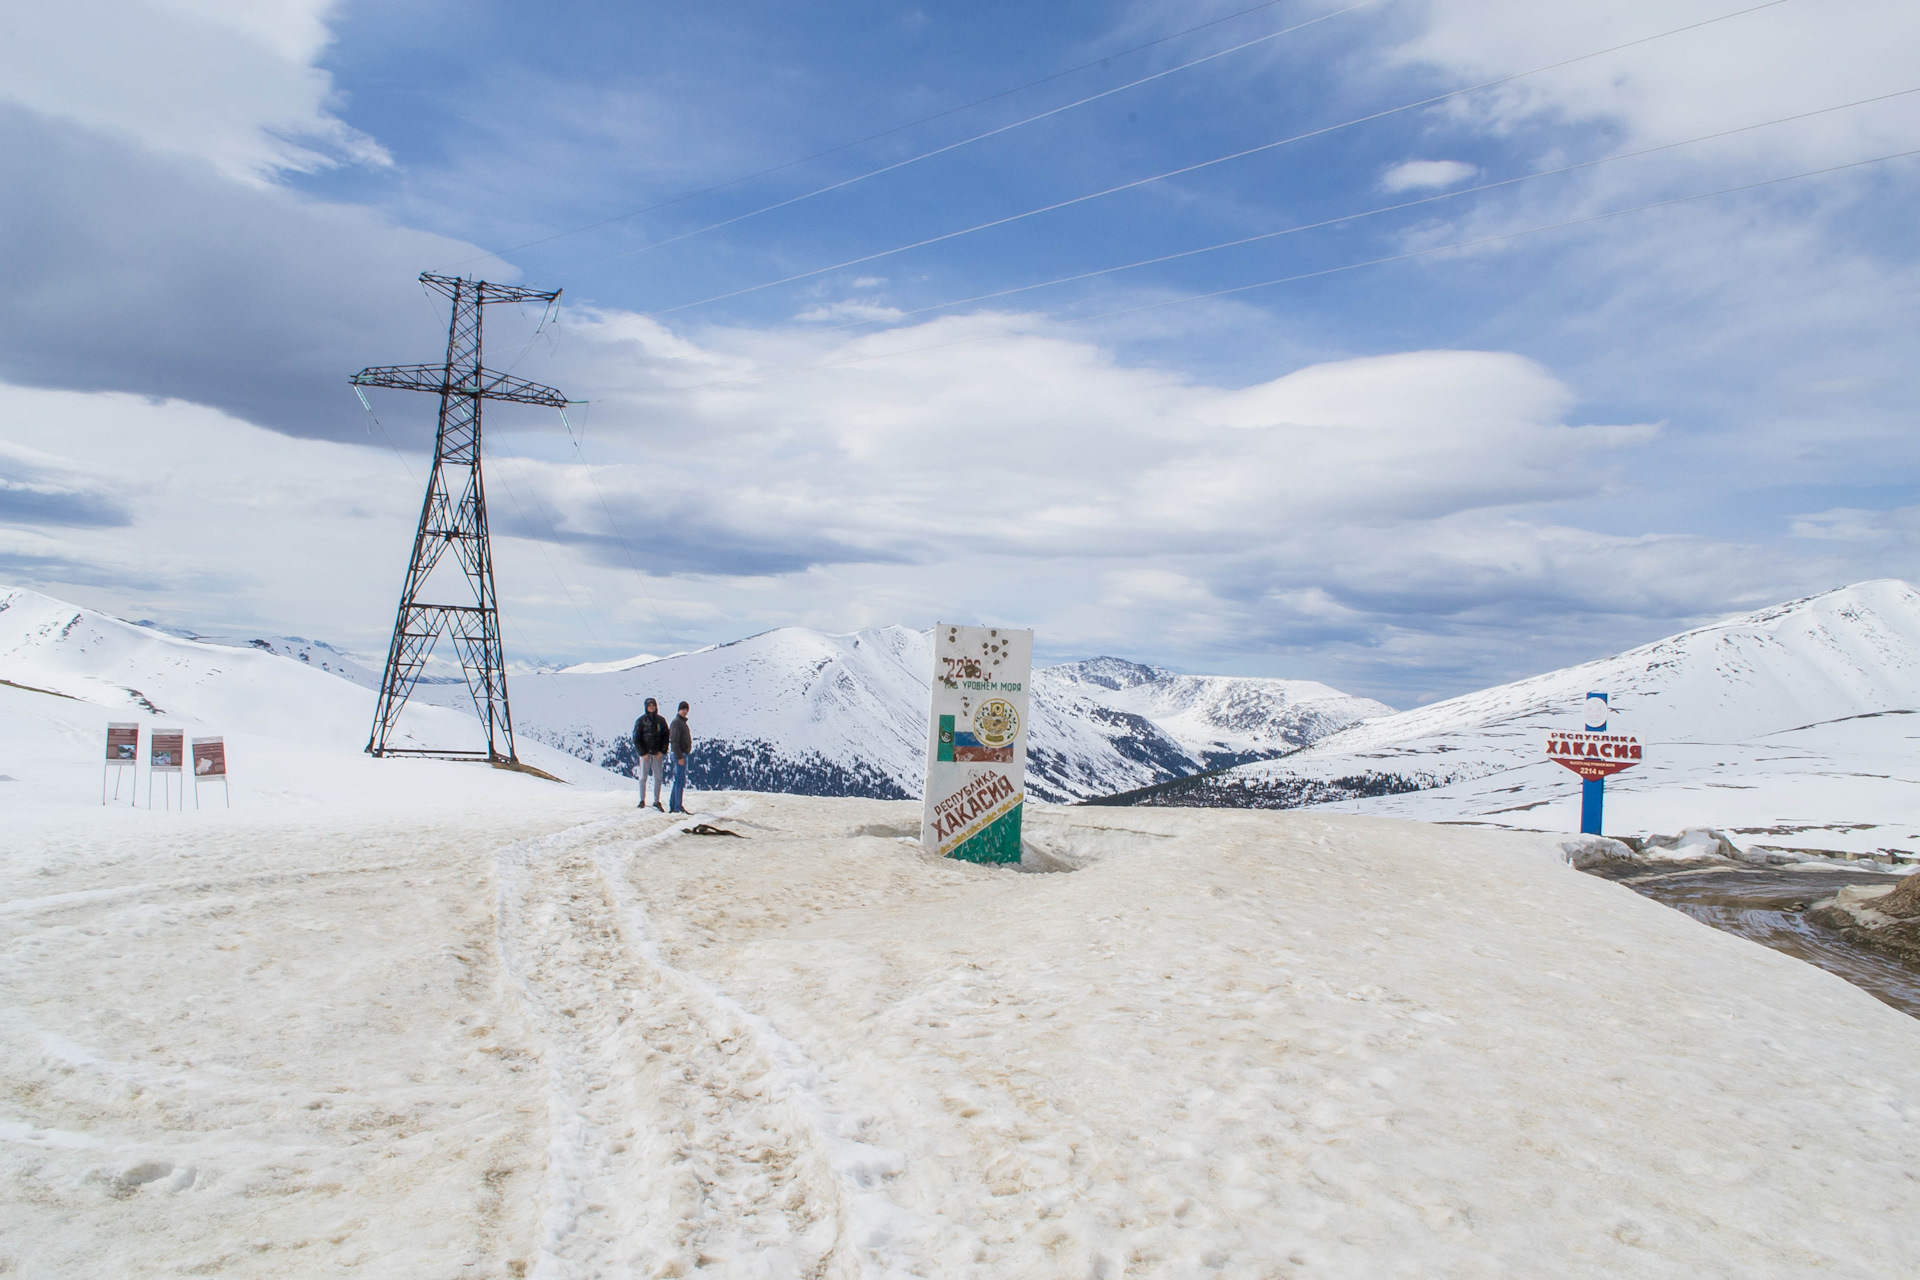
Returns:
<point x="1354" y="217"/>
<point x="1305" y="275"/>
<point x="978" y="137"/>
<point x="551" y="312"/>
<point x="872" y="137"/>
<point x="1204" y="164"/>
<point x="547" y="313"/>
<point x="368" y="406"/>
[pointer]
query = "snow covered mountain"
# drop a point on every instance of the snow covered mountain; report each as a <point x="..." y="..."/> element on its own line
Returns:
<point x="361" y="669"/>
<point x="802" y="711"/>
<point x="1796" y="726"/>
<point x="789" y="710"/>
<point x="294" y="726"/>
<point x="1219" y="720"/>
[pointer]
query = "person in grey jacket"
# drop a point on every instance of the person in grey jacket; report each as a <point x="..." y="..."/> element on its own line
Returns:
<point x="650" y="737"/>
<point x="680" y="742"/>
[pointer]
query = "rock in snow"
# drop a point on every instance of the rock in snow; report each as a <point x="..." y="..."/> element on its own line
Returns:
<point x="1885" y="918"/>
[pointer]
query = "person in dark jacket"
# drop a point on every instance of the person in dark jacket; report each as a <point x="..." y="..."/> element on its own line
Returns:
<point x="680" y="741"/>
<point x="650" y="737"/>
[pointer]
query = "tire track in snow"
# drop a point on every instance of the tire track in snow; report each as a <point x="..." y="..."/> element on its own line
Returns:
<point x="684" y="1131"/>
<point x="205" y="884"/>
<point x="876" y="1236"/>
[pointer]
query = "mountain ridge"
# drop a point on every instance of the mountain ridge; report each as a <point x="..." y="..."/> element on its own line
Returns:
<point x="1783" y="721"/>
<point x="791" y="709"/>
<point x="845" y="714"/>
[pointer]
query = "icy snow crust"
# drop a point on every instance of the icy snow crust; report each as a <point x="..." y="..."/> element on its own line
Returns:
<point x="1795" y="727"/>
<point x="563" y="1039"/>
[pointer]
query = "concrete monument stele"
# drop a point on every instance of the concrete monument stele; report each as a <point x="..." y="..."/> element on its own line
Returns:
<point x="977" y="742"/>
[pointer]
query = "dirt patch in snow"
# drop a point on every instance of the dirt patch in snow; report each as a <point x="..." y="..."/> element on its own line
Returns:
<point x="1883" y="920"/>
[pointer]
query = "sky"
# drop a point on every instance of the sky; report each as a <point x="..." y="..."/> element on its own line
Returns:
<point x="1408" y="345"/>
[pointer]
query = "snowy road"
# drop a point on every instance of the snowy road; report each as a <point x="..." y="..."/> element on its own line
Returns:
<point x="567" y="1041"/>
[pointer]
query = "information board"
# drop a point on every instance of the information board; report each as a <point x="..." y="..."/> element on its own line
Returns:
<point x="977" y="742"/>
<point x="123" y="742"/>
<point x="209" y="763"/>
<point x="167" y="749"/>
<point x="209" y="758"/>
<point x="123" y="754"/>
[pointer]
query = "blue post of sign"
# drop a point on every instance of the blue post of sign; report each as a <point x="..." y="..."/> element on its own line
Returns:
<point x="1593" y="794"/>
<point x="1593" y="791"/>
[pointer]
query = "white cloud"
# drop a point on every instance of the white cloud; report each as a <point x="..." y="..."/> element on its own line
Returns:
<point x="849" y="310"/>
<point x="1086" y="484"/>
<point x="1765" y="65"/>
<point x="129" y="271"/>
<point x="218" y="522"/>
<point x="1421" y="175"/>
<point x="1029" y="449"/>
<point x="46" y="489"/>
<point x="228" y="81"/>
<point x="1418" y="511"/>
<point x="1758" y="321"/>
<point x="1385" y="523"/>
<point x="1858" y="525"/>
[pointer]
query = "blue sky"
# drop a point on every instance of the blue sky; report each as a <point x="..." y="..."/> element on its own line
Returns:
<point x="1409" y="479"/>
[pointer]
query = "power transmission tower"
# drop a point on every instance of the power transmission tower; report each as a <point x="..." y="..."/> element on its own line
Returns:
<point x="454" y="516"/>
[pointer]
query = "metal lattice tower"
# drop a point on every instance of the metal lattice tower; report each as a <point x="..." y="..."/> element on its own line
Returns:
<point x="454" y="516"/>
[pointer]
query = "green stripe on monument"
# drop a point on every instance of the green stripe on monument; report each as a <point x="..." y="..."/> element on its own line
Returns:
<point x="999" y="841"/>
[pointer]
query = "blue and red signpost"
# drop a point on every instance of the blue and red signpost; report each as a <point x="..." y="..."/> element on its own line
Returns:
<point x="1593" y="755"/>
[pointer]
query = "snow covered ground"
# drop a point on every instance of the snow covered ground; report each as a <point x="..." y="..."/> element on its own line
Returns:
<point x="415" y="1018"/>
<point x="559" y="1038"/>
<point x="1795" y="727"/>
